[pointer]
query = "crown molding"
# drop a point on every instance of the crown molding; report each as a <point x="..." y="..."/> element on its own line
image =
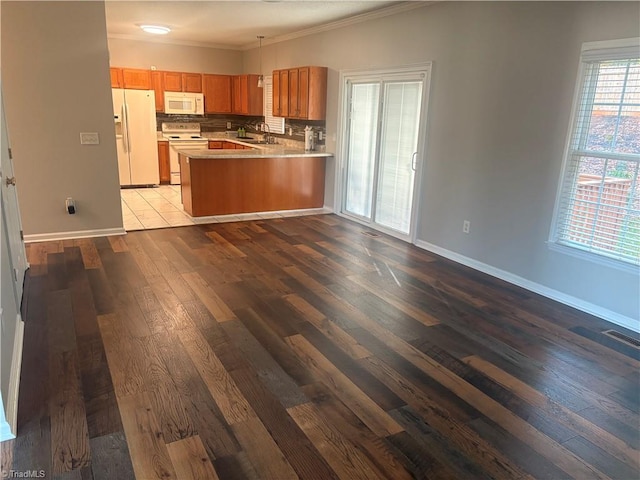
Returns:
<point x="360" y="18"/>
<point x="167" y="41"/>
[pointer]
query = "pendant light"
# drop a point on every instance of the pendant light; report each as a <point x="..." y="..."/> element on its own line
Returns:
<point x="260" y="77"/>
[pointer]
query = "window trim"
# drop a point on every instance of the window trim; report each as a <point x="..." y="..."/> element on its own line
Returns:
<point x="590" y="51"/>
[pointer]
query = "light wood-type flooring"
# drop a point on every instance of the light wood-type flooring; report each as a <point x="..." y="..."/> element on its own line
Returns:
<point x="303" y="348"/>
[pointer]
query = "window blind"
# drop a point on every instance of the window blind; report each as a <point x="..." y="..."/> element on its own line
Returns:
<point x="599" y="207"/>
<point x="276" y="124"/>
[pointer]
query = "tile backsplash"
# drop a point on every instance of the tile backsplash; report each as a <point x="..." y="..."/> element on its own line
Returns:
<point x="218" y="123"/>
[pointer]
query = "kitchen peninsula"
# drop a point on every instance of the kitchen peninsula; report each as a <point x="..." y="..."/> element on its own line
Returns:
<point x="264" y="179"/>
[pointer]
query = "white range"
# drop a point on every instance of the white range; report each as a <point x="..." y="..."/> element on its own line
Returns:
<point x="182" y="136"/>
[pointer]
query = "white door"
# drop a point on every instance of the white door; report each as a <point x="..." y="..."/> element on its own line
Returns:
<point x="384" y="138"/>
<point x="11" y="214"/>
<point x="142" y="137"/>
<point x="13" y="264"/>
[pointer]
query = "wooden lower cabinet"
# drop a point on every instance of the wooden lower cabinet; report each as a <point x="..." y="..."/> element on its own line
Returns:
<point x="163" y="162"/>
<point x="220" y="186"/>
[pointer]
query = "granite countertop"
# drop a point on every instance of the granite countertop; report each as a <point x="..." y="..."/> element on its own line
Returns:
<point x="259" y="151"/>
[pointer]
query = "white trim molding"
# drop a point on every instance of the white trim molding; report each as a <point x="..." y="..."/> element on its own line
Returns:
<point x="45" y="237"/>
<point x="9" y="425"/>
<point x="556" y="295"/>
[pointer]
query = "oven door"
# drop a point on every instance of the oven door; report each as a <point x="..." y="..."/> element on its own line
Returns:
<point x="174" y="163"/>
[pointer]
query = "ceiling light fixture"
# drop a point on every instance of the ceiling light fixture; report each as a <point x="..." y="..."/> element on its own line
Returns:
<point x="260" y="78"/>
<point x="155" y="29"/>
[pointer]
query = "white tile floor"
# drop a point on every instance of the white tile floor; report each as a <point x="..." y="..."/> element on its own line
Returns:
<point x="147" y="208"/>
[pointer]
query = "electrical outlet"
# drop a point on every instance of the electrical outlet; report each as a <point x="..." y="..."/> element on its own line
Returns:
<point x="466" y="226"/>
<point x="228" y="125"/>
<point x="90" y="138"/>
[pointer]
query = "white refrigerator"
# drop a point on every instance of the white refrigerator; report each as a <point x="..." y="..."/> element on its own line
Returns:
<point x="134" y="113"/>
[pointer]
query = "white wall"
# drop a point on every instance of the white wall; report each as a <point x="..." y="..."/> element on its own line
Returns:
<point x="137" y="54"/>
<point x="502" y="85"/>
<point x="56" y="84"/>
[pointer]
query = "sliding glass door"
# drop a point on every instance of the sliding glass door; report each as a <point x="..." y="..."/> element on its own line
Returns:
<point x="382" y="142"/>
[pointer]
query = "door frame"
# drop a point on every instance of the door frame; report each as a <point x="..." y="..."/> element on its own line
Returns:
<point x="12" y="244"/>
<point x="342" y="144"/>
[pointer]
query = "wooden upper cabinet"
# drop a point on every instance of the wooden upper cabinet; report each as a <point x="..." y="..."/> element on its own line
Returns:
<point x="172" y="81"/>
<point x="294" y="93"/>
<point x="236" y="97"/>
<point x="247" y="97"/>
<point x="303" y="94"/>
<point x="281" y="93"/>
<point x="116" y="77"/>
<point x="157" y="82"/>
<point x="192" y="82"/>
<point x="217" y="93"/>
<point x="300" y="93"/>
<point x="136" y="79"/>
<point x="182" y="82"/>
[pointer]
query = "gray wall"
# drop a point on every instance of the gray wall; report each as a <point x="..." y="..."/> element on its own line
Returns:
<point x="138" y="54"/>
<point x="501" y="92"/>
<point x="56" y="84"/>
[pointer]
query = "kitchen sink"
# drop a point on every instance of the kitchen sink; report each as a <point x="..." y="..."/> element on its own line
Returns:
<point x="254" y="141"/>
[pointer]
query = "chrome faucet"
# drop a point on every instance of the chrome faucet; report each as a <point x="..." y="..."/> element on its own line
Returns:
<point x="268" y="134"/>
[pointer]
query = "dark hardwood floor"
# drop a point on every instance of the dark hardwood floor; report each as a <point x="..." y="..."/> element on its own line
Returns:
<point x="301" y="348"/>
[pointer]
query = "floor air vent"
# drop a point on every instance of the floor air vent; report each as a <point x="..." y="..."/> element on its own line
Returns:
<point x="371" y="234"/>
<point x="634" y="342"/>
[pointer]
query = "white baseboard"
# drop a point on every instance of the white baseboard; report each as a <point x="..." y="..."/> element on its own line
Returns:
<point x="9" y="427"/>
<point x="569" y="300"/>
<point x="54" y="236"/>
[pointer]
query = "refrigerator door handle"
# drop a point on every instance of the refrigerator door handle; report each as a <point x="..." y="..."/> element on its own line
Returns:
<point x="126" y="109"/>
<point x="125" y="128"/>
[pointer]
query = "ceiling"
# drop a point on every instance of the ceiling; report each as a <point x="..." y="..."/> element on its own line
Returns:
<point x="236" y="24"/>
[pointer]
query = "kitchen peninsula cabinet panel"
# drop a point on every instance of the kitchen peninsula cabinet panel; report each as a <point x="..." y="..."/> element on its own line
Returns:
<point x="157" y="83"/>
<point x="116" y="77"/>
<point x="136" y="79"/>
<point x="247" y="96"/>
<point x="192" y="82"/>
<point x="225" y="186"/>
<point x="217" y="93"/>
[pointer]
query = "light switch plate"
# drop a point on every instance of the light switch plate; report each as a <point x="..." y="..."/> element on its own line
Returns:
<point x="89" y="138"/>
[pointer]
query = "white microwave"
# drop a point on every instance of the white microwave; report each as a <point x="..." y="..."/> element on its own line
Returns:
<point x="184" y="103"/>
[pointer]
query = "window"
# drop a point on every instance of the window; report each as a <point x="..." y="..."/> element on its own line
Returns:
<point x="598" y="210"/>
<point x="276" y="124"/>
